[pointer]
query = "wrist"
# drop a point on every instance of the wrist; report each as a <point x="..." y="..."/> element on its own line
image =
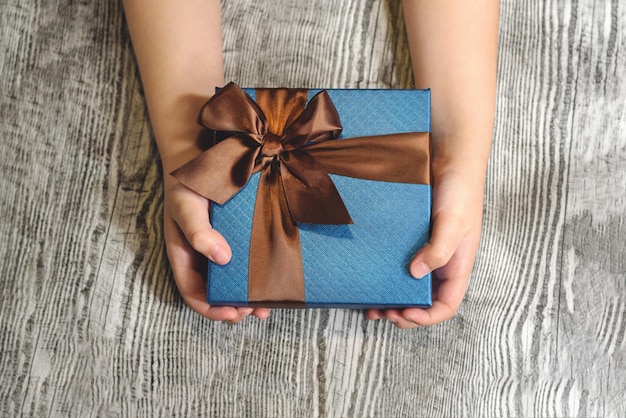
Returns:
<point x="469" y="171"/>
<point x="466" y="151"/>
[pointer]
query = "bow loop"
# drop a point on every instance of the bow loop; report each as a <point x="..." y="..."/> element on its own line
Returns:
<point x="318" y="122"/>
<point x="221" y="171"/>
<point x="232" y="110"/>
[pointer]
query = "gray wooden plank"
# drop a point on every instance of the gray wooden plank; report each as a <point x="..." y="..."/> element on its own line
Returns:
<point x="91" y="323"/>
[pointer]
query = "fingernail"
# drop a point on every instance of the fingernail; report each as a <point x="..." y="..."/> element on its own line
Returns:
<point x="219" y="255"/>
<point x="420" y="270"/>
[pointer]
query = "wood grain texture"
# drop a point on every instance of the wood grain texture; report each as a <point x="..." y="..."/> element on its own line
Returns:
<point x="92" y="325"/>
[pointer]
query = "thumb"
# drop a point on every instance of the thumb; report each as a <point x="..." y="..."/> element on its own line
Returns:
<point x="206" y="240"/>
<point x="191" y="213"/>
<point x="446" y="236"/>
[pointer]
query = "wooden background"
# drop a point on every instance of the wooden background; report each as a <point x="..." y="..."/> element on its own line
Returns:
<point x="92" y="325"/>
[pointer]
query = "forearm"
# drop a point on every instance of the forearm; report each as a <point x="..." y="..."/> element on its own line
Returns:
<point x="179" y="52"/>
<point x="453" y="46"/>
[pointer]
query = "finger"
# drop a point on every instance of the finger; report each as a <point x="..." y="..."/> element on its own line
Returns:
<point x="218" y="313"/>
<point x="242" y="313"/>
<point x="261" y="313"/>
<point x="190" y="212"/>
<point x="398" y="320"/>
<point x="440" y="311"/>
<point x="374" y="314"/>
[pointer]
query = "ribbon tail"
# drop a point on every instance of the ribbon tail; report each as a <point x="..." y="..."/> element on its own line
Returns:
<point x="275" y="270"/>
<point x="312" y="196"/>
<point x="399" y="158"/>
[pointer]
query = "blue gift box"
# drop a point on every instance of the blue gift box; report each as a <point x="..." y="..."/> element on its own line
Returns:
<point x="361" y="265"/>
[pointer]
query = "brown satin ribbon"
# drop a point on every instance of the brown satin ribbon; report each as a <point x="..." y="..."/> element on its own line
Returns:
<point x="293" y="146"/>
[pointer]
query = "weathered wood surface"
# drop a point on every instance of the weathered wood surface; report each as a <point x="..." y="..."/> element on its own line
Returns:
<point x="92" y="325"/>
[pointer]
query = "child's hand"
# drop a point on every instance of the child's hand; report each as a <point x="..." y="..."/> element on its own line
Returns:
<point x="189" y="238"/>
<point x="457" y="218"/>
<point x="178" y="47"/>
<point x="454" y="49"/>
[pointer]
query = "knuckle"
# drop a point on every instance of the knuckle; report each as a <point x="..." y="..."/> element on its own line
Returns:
<point x="198" y="240"/>
<point x="439" y="256"/>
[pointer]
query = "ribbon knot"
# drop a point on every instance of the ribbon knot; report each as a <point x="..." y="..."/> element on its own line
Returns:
<point x="271" y="146"/>
<point x="280" y="128"/>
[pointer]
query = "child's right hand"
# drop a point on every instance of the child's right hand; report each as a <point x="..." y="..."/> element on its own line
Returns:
<point x="178" y="47"/>
<point x="189" y="238"/>
<point x="458" y="191"/>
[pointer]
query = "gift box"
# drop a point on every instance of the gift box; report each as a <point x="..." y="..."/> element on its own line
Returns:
<point x="323" y="195"/>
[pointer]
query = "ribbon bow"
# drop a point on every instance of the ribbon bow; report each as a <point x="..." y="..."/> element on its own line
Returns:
<point x="294" y="148"/>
